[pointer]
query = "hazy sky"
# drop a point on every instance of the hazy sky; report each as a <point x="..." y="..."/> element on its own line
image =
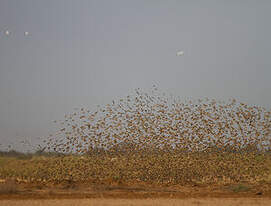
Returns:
<point x="83" y="53"/>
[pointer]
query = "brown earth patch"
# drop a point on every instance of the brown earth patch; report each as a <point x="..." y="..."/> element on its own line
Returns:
<point x="64" y="191"/>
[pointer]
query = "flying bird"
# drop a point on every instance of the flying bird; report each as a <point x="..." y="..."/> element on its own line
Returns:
<point x="7" y="32"/>
<point x="180" y="53"/>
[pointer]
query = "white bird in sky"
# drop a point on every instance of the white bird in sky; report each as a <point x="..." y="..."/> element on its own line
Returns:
<point x="7" y="32"/>
<point x="180" y="53"/>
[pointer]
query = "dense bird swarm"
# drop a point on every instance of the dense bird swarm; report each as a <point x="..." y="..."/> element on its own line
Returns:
<point x="153" y="121"/>
<point x="162" y="169"/>
<point x="152" y="138"/>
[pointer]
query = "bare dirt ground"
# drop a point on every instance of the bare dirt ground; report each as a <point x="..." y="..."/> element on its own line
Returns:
<point x="102" y="195"/>
<point x="144" y="202"/>
<point x="12" y="190"/>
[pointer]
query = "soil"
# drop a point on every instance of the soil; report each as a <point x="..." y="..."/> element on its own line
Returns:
<point x="80" y="191"/>
<point x="137" y="202"/>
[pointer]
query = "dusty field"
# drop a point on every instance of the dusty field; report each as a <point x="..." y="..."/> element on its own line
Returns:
<point x="143" y="202"/>
<point x="12" y="191"/>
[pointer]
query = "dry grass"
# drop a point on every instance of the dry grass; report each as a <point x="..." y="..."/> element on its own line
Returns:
<point x="142" y="202"/>
<point x="239" y="188"/>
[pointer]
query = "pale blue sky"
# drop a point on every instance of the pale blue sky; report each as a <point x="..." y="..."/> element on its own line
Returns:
<point x="84" y="53"/>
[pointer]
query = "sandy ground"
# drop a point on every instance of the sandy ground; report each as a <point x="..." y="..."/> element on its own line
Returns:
<point x="103" y="195"/>
<point x="143" y="202"/>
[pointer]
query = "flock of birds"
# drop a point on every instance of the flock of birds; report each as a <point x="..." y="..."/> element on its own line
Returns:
<point x="8" y="33"/>
<point x="151" y="120"/>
